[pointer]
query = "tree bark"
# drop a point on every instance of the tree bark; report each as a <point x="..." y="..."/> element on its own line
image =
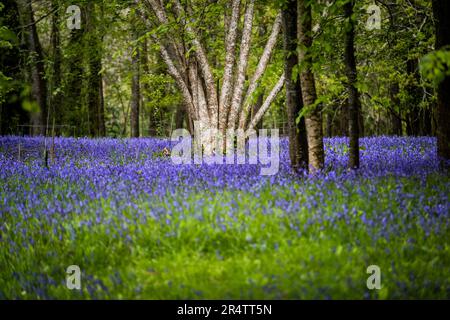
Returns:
<point x="343" y="119"/>
<point x="194" y="76"/>
<point x="255" y="108"/>
<point x="55" y="94"/>
<point x="351" y="73"/>
<point x="73" y="101"/>
<point x="314" y="116"/>
<point x="200" y="53"/>
<point x="441" y="11"/>
<point x="95" y="90"/>
<point x="152" y="119"/>
<point x="260" y="68"/>
<point x="227" y="85"/>
<point x="415" y="94"/>
<point x="298" y="144"/>
<point x="236" y="100"/>
<point x="135" y="90"/>
<point x="265" y="106"/>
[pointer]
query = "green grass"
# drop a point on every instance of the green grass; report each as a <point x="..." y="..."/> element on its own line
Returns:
<point x="264" y="252"/>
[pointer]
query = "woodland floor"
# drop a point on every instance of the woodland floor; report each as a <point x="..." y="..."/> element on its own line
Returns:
<point x="139" y="226"/>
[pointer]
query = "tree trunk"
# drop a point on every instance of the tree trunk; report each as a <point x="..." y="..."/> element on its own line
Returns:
<point x="260" y="68"/>
<point x="101" y="111"/>
<point x="73" y="101"/>
<point x="415" y="93"/>
<point x="298" y="144"/>
<point x="55" y="94"/>
<point x="441" y="11"/>
<point x="135" y="90"/>
<point x="353" y="99"/>
<point x="343" y="119"/>
<point x="255" y="108"/>
<point x="227" y="85"/>
<point x="425" y="121"/>
<point x="36" y="63"/>
<point x="151" y="114"/>
<point x="194" y="77"/>
<point x="244" y="50"/>
<point x="314" y="117"/>
<point x="394" y="115"/>
<point x="95" y="92"/>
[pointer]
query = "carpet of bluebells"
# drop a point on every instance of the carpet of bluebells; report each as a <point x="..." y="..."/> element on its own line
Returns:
<point x="139" y="226"/>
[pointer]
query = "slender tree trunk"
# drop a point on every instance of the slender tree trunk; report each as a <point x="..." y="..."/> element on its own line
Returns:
<point x="227" y="85"/>
<point x="38" y="82"/>
<point x="73" y="101"/>
<point x="343" y="119"/>
<point x="55" y="95"/>
<point x="152" y="118"/>
<point x="314" y="117"/>
<point x="394" y="115"/>
<point x="255" y="108"/>
<point x="353" y="99"/>
<point x="259" y="101"/>
<point x="426" y="120"/>
<point x="415" y="93"/>
<point x="95" y="92"/>
<point x="101" y="111"/>
<point x="360" y="120"/>
<point x="236" y="100"/>
<point x="101" y="107"/>
<point x="298" y="144"/>
<point x="179" y="116"/>
<point x="135" y="91"/>
<point x="441" y="11"/>
<point x="265" y="106"/>
<point x="260" y="68"/>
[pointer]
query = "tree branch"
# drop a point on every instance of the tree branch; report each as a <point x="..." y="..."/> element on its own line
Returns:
<point x="262" y="65"/>
<point x="175" y="49"/>
<point x="173" y="71"/>
<point x="205" y="68"/>
<point x="265" y="106"/>
<point x="242" y="65"/>
<point x="230" y="42"/>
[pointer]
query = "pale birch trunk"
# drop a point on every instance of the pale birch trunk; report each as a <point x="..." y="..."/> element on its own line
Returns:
<point x="194" y="74"/>
<point x="227" y="85"/>
<point x="242" y="65"/>
<point x="261" y="67"/>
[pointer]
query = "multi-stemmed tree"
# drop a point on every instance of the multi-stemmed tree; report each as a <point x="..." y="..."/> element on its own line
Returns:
<point x="214" y="99"/>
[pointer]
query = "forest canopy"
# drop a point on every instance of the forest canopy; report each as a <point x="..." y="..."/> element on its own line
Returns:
<point x="145" y="68"/>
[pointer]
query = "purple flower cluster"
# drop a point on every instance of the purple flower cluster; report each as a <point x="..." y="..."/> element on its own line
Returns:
<point x="94" y="171"/>
<point x="120" y="184"/>
<point x="104" y="166"/>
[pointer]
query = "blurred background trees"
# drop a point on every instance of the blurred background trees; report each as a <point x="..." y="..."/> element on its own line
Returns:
<point x="108" y="77"/>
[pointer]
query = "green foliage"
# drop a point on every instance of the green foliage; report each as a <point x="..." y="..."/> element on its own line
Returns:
<point x="30" y="106"/>
<point x="8" y="40"/>
<point x="406" y="34"/>
<point x="435" y="66"/>
<point x="261" y="254"/>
